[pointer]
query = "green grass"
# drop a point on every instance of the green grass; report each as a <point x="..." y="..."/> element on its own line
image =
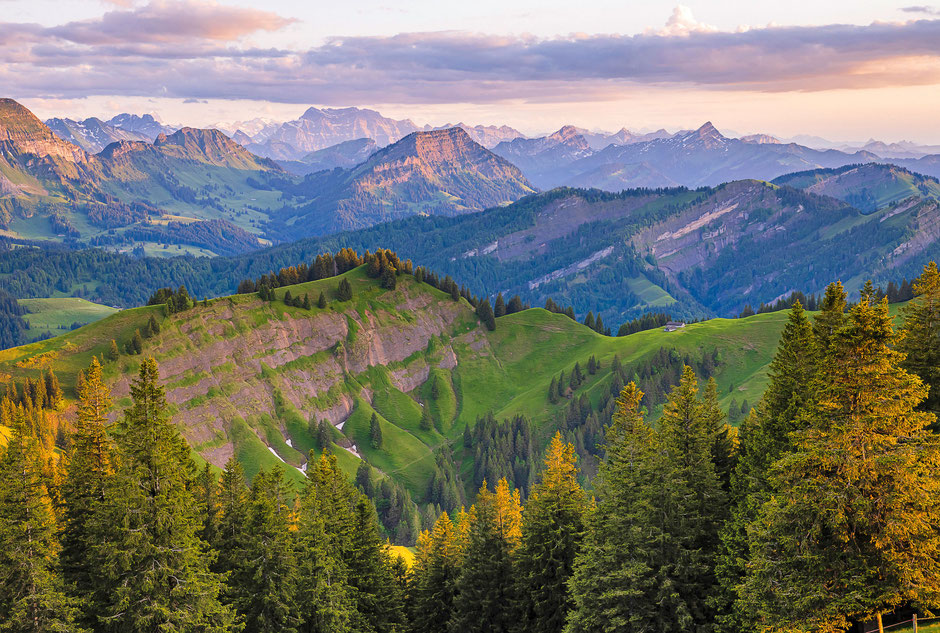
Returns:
<point x="651" y="294"/>
<point x="56" y="316"/>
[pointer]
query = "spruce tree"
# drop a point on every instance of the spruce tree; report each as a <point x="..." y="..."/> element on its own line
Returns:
<point x="764" y="438"/>
<point x="615" y="574"/>
<point x="153" y="325"/>
<point x="499" y="308"/>
<point x="698" y="509"/>
<point x="485" y="312"/>
<point x="155" y="574"/>
<point x="231" y="536"/>
<point x="321" y="300"/>
<point x="722" y="444"/>
<point x="113" y="353"/>
<point x="831" y="317"/>
<point x="375" y="432"/>
<point x="486" y="596"/>
<point x="267" y="577"/>
<point x="89" y="470"/>
<point x="207" y="492"/>
<point x="379" y="604"/>
<point x="921" y="342"/>
<point x="552" y="529"/>
<point x="427" y="421"/>
<point x="849" y="531"/>
<point x="306" y="305"/>
<point x="33" y="598"/>
<point x="438" y="558"/>
<point x="344" y="290"/>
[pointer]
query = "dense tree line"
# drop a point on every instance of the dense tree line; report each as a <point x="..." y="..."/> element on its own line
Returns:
<point x="12" y="324"/>
<point x="125" y="533"/>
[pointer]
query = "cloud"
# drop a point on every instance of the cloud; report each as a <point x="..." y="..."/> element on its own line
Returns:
<point x="192" y="100"/>
<point x="170" y="21"/>
<point x="194" y="50"/>
<point x="921" y="9"/>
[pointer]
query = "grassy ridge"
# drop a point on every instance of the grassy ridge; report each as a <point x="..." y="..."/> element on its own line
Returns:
<point x="248" y="377"/>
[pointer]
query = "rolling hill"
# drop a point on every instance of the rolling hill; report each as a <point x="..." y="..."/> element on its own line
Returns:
<point x="867" y="187"/>
<point x="251" y="378"/>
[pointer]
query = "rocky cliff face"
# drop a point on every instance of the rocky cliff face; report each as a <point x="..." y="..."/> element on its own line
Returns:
<point x="22" y="133"/>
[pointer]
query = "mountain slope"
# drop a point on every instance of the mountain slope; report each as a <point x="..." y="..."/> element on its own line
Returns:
<point x="246" y="377"/>
<point x="92" y="134"/>
<point x="867" y="187"/>
<point x="542" y="159"/>
<point x="443" y="172"/>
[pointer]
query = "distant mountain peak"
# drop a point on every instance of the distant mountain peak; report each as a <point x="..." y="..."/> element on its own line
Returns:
<point x="213" y="147"/>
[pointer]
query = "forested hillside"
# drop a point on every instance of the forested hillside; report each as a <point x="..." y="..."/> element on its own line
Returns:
<point x="651" y="513"/>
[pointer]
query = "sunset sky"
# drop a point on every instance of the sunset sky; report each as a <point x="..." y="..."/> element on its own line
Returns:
<point x="844" y="70"/>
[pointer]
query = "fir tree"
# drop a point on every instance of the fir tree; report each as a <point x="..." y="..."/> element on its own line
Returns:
<point x="552" y="529"/>
<point x="499" y="308"/>
<point x="615" y="575"/>
<point x="379" y="605"/>
<point x="831" y="317"/>
<point x="32" y="593"/>
<point x="344" y="290"/>
<point x="438" y="559"/>
<point x="589" y="320"/>
<point x="921" y="342"/>
<point x="485" y="312"/>
<point x="375" y="432"/>
<point x="267" y="577"/>
<point x="155" y="574"/>
<point x="850" y="532"/>
<point x="321" y="301"/>
<point x="389" y="279"/>
<point x="764" y="438"/>
<point x="698" y="509"/>
<point x="231" y="537"/>
<point x="486" y="597"/>
<point x="427" y="422"/>
<point x="722" y="444"/>
<point x="153" y="325"/>
<point x="207" y="493"/>
<point x="89" y="471"/>
<point x="306" y="305"/>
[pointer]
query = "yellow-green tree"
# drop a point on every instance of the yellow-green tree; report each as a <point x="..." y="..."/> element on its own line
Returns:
<point x="851" y="529"/>
<point x="921" y="342"/>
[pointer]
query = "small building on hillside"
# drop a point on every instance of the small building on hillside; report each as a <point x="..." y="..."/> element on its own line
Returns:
<point x="672" y="326"/>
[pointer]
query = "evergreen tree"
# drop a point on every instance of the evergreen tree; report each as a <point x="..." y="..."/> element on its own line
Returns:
<point x="427" y="422"/>
<point x="321" y="300"/>
<point x="552" y="529"/>
<point x="438" y="559"/>
<point x="850" y="531"/>
<point x="589" y="320"/>
<point x="306" y="305"/>
<point x="375" y="432"/>
<point x="699" y="508"/>
<point x="32" y="593"/>
<point x="113" y="353"/>
<point x="486" y="600"/>
<point x="324" y="536"/>
<point x="344" y="290"/>
<point x="615" y="574"/>
<point x="485" y="312"/>
<point x="921" y="341"/>
<point x="137" y="342"/>
<point x="364" y="479"/>
<point x="267" y="577"/>
<point x="722" y="448"/>
<point x="207" y="493"/>
<point x="231" y="537"/>
<point x="389" y="279"/>
<point x="155" y="574"/>
<point x="153" y="325"/>
<point x="89" y="470"/>
<point x="499" y="308"/>
<point x="379" y="604"/>
<point x="831" y="317"/>
<point x="764" y="438"/>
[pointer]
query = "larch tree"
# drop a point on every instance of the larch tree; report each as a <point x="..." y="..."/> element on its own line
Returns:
<point x="850" y="531"/>
<point x="438" y="558"/>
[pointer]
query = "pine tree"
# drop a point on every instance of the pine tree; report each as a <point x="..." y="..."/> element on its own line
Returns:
<point x="850" y="532"/>
<point x="486" y="597"/>
<point x="615" y="575"/>
<point x="921" y="342"/>
<point x="321" y="301"/>
<point x="375" y="432"/>
<point x="485" y="312"/>
<point x="155" y="573"/>
<point x="89" y="471"/>
<point x="552" y="529"/>
<point x="32" y="593"/>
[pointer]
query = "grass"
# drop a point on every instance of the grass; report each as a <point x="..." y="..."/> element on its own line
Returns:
<point x="257" y="372"/>
<point x="651" y="294"/>
<point x="55" y="316"/>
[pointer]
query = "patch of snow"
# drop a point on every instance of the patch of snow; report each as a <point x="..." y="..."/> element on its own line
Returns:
<point x="274" y="452"/>
<point x="289" y="442"/>
<point x="341" y="425"/>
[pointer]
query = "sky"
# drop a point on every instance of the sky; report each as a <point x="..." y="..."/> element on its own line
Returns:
<point x="844" y="70"/>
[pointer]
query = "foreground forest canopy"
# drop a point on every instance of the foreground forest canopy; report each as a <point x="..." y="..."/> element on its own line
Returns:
<point x="818" y="512"/>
